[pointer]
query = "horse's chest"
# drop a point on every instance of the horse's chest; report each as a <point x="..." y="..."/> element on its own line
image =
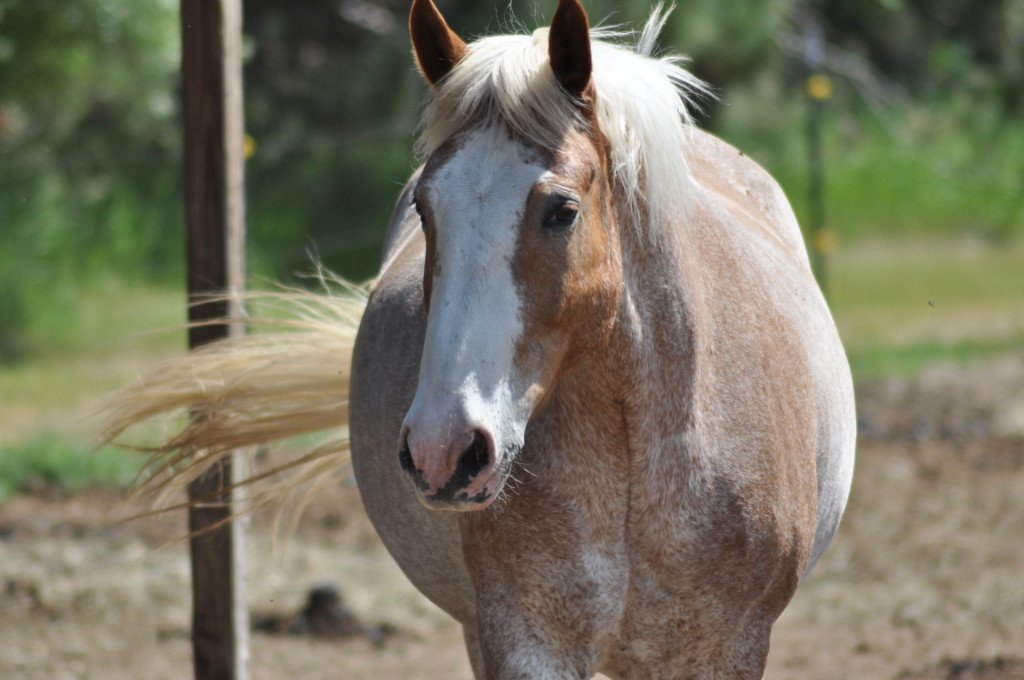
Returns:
<point x="640" y="606"/>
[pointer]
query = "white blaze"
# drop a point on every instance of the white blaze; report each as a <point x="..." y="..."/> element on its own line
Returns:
<point x="477" y="199"/>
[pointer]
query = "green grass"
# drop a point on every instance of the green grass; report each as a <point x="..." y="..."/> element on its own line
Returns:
<point x="901" y="305"/>
<point x="54" y="459"/>
<point x="909" y="360"/>
<point x="102" y="339"/>
<point x="93" y="341"/>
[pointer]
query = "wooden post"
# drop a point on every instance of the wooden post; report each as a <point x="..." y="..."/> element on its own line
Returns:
<point x="215" y="222"/>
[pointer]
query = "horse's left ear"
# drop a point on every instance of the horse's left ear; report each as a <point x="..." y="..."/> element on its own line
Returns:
<point x="569" y="47"/>
<point x="437" y="48"/>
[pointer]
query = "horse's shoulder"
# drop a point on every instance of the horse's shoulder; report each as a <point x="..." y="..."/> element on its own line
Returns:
<point x="732" y="177"/>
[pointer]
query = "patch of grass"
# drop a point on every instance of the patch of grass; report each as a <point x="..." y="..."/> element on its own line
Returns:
<point x="942" y="183"/>
<point x="901" y="305"/>
<point x="101" y="345"/>
<point x="53" y="459"/>
<point x="105" y="316"/>
<point x="907" y="361"/>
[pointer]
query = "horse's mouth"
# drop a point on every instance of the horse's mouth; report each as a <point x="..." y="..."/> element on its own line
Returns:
<point x="481" y="492"/>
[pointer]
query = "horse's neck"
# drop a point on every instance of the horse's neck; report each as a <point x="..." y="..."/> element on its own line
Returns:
<point x="661" y="346"/>
<point x="636" y="404"/>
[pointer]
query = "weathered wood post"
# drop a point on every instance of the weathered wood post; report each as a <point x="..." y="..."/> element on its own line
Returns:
<point x="215" y="222"/>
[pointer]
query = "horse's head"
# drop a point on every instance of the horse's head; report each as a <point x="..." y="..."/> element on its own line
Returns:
<point x="523" y="273"/>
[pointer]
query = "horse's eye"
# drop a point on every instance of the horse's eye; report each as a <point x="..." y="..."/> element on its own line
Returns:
<point x="563" y="216"/>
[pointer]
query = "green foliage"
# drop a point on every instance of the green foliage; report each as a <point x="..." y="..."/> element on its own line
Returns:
<point x="931" y="174"/>
<point x="52" y="459"/>
<point x="13" y="311"/>
<point x="89" y="142"/>
<point x="86" y="124"/>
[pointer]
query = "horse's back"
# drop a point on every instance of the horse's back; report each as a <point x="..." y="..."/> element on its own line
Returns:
<point x="733" y="176"/>
<point x="755" y="225"/>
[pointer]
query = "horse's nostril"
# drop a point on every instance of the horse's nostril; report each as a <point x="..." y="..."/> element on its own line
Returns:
<point x="405" y="456"/>
<point x="473" y="459"/>
<point x="406" y="463"/>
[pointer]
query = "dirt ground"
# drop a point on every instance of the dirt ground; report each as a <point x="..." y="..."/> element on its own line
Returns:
<point x="925" y="580"/>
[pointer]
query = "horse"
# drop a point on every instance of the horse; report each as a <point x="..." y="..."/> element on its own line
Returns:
<point x="599" y="411"/>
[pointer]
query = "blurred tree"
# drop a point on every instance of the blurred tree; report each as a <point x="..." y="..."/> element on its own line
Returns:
<point x="330" y="101"/>
<point x="89" y="146"/>
<point x="87" y="121"/>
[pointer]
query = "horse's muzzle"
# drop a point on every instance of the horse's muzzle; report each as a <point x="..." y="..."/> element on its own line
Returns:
<point x="456" y="469"/>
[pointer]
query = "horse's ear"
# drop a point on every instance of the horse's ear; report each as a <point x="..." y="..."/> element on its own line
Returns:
<point x="569" y="47"/>
<point x="437" y="48"/>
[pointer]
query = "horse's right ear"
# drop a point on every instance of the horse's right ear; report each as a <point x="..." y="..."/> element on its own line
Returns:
<point x="437" y="48"/>
<point x="569" y="47"/>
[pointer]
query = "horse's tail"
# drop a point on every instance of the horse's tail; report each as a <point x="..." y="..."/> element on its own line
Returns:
<point x="287" y="379"/>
